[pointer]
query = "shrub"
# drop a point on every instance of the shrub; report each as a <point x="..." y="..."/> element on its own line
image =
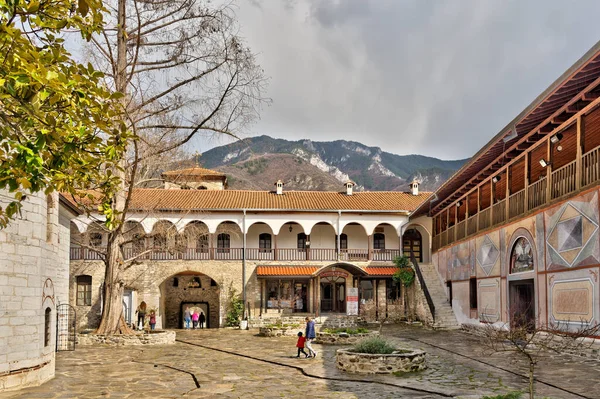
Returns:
<point x="235" y="308"/>
<point x="374" y="345"/>
<point x="351" y="331"/>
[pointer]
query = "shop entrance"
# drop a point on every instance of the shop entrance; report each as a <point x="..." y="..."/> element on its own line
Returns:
<point x="333" y="294"/>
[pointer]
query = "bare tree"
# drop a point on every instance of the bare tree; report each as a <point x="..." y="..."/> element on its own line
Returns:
<point x="528" y="339"/>
<point x="184" y="72"/>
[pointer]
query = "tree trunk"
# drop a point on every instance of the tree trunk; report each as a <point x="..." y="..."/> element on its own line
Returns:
<point x="531" y="368"/>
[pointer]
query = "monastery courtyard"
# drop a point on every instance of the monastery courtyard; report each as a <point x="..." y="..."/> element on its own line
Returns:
<point x="238" y="364"/>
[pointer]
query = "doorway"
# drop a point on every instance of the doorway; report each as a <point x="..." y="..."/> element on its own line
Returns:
<point x="333" y="294"/>
<point x="412" y="243"/>
<point x="196" y="307"/>
<point x="522" y="303"/>
<point x="127" y="306"/>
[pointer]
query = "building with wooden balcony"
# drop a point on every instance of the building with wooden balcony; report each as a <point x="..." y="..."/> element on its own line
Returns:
<point x="515" y="231"/>
<point x="285" y="251"/>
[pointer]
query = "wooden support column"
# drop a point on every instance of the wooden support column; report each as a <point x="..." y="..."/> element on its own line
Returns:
<point x="307" y="247"/>
<point x="578" y="163"/>
<point x="526" y="179"/>
<point x="507" y="203"/>
<point x="275" y="251"/>
<point x="478" y="206"/>
<point x="549" y="171"/>
<point x="492" y="192"/>
<point x="370" y="247"/>
<point x="211" y="245"/>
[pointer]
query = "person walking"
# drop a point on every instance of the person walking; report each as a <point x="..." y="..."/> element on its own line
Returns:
<point x="152" y="320"/>
<point x="310" y="336"/>
<point x="187" y="317"/>
<point x="201" y="319"/>
<point x="195" y="317"/>
<point x="300" y="344"/>
<point x="141" y="312"/>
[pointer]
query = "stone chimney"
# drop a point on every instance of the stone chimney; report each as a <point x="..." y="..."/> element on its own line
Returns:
<point x="279" y="187"/>
<point x="414" y="187"/>
<point x="349" y="187"/>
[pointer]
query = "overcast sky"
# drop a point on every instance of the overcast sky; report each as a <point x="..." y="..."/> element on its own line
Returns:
<point x="429" y="77"/>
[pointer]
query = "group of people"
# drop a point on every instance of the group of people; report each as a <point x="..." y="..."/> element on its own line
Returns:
<point x="196" y="318"/>
<point x="305" y="341"/>
<point x="141" y="314"/>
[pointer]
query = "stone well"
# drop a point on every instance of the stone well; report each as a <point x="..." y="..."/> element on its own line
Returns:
<point x="342" y="338"/>
<point x="280" y="331"/>
<point x="367" y="363"/>
<point x="153" y="338"/>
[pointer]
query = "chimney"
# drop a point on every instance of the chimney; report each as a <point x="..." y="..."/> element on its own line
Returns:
<point x="414" y="187"/>
<point x="349" y="186"/>
<point x="279" y="186"/>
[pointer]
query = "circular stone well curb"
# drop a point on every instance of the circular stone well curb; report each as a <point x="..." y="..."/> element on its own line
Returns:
<point x="342" y="338"/>
<point x="153" y="338"/>
<point x="367" y="363"/>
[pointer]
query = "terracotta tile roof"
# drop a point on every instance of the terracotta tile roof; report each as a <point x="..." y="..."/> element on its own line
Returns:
<point x="163" y="199"/>
<point x="196" y="171"/>
<point x="381" y="270"/>
<point x="286" y="270"/>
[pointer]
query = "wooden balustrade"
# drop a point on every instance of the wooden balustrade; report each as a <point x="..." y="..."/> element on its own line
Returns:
<point x="537" y="194"/>
<point x="564" y="180"/>
<point x="322" y="254"/>
<point x="354" y="254"/>
<point x="472" y="225"/>
<point x="286" y="254"/>
<point x="461" y="231"/>
<point x="485" y="220"/>
<point x="260" y="253"/>
<point x="384" y="254"/>
<point x="451" y="236"/>
<point x="499" y="212"/>
<point x="590" y="167"/>
<point x="516" y="204"/>
<point x="79" y="253"/>
<point x="444" y="238"/>
<point x="435" y="245"/>
<point x="227" y="253"/>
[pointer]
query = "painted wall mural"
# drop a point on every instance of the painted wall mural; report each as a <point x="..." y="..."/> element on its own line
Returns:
<point x="461" y="261"/>
<point x="521" y="258"/>
<point x="488" y="253"/>
<point x="572" y="233"/>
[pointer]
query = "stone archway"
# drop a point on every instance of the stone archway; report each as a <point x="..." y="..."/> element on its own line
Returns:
<point x="192" y="289"/>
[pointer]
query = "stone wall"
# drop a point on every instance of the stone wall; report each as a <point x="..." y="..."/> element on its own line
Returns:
<point x="153" y="338"/>
<point x="186" y="291"/>
<point x="366" y="363"/>
<point x="34" y="271"/>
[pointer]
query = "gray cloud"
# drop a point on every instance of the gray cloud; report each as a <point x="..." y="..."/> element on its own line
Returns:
<point x="432" y="77"/>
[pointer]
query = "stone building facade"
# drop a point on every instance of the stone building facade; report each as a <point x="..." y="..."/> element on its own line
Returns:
<point x="34" y="275"/>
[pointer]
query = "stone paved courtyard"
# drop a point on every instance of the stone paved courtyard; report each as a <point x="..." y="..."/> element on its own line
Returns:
<point x="239" y="364"/>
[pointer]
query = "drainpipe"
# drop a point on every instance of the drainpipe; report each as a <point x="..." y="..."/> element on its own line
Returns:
<point x="244" y="264"/>
<point x="339" y="234"/>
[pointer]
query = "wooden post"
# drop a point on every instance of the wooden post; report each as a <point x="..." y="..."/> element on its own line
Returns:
<point x="548" y="171"/>
<point x="276" y="252"/>
<point x="211" y="245"/>
<point x="578" y="163"/>
<point x="492" y="192"/>
<point x="526" y="180"/>
<point x="370" y="247"/>
<point x="507" y="194"/>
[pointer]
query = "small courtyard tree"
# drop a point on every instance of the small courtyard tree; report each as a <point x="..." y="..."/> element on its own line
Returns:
<point x="529" y="339"/>
<point x="405" y="275"/>
<point x="185" y="73"/>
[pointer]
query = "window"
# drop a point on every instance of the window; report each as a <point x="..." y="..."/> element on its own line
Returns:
<point x="366" y="290"/>
<point x="393" y="290"/>
<point x="264" y="242"/>
<point x="96" y="239"/>
<point x="379" y="241"/>
<point x="175" y="282"/>
<point x="138" y="243"/>
<point x="84" y="291"/>
<point x="202" y="244"/>
<point x="47" y="330"/>
<point x="160" y="241"/>
<point x="213" y="283"/>
<point x="301" y="242"/>
<point x="223" y="243"/>
<point x="473" y="293"/>
<point x="343" y="241"/>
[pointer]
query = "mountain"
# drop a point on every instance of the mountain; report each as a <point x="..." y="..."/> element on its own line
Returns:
<point x="257" y="162"/>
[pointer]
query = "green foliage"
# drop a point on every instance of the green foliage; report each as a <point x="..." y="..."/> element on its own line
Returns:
<point x="256" y="166"/>
<point x="235" y="308"/>
<point x="347" y="330"/>
<point x="405" y="273"/>
<point x="510" y="395"/>
<point x="60" y="126"/>
<point x="374" y="345"/>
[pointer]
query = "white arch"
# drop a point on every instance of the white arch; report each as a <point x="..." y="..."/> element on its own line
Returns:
<point x="322" y="221"/>
<point x="279" y="225"/>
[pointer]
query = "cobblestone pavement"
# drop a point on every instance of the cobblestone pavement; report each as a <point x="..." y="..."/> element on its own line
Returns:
<point x="238" y="364"/>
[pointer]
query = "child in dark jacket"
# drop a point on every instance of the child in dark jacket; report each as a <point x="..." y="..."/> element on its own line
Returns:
<point x="300" y="345"/>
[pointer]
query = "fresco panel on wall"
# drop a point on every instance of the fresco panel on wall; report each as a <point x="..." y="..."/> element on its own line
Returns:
<point x="488" y="254"/>
<point x="461" y="260"/>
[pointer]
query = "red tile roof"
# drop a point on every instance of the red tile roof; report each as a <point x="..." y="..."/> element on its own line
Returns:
<point x="163" y="199"/>
<point x="381" y="270"/>
<point x="286" y="270"/>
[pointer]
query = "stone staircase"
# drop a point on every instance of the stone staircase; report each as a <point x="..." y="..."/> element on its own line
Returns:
<point x="444" y="315"/>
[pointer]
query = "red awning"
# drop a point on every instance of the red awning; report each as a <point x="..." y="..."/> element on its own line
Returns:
<point x="380" y="270"/>
<point x="305" y="271"/>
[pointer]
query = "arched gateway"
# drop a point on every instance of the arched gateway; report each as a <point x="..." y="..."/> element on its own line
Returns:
<point x="192" y="290"/>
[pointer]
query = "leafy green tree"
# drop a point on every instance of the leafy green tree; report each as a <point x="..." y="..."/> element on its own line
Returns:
<point x="405" y="275"/>
<point x="58" y="122"/>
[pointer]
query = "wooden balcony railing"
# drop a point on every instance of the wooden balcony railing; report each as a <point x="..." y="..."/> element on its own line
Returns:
<point x="79" y="253"/>
<point x="499" y="212"/>
<point x="354" y="254"/>
<point x="516" y="204"/>
<point x="444" y="238"/>
<point x="564" y="180"/>
<point x="435" y="245"/>
<point x="590" y="167"/>
<point x="472" y="225"/>
<point x="384" y="254"/>
<point x="451" y="236"/>
<point x="322" y="254"/>
<point x="260" y="254"/>
<point x="461" y="231"/>
<point x="537" y="193"/>
<point x="485" y="220"/>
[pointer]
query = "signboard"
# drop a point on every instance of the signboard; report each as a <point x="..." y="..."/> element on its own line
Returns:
<point x="352" y="302"/>
<point x="334" y="273"/>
